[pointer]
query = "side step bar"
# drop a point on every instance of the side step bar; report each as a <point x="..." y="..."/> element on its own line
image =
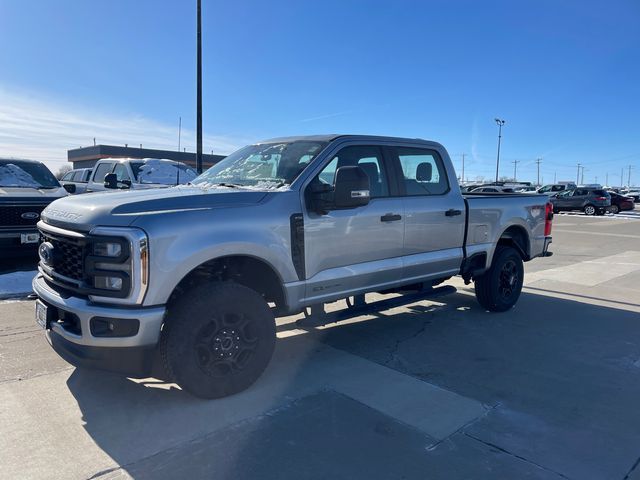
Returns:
<point x="318" y="317"/>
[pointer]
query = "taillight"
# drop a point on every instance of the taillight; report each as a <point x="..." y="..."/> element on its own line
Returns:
<point x="601" y="199"/>
<point x="548" y="219"/>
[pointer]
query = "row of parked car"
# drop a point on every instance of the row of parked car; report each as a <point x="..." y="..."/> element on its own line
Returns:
<point x="591" y="199"/>
<point x="27" y="187"/>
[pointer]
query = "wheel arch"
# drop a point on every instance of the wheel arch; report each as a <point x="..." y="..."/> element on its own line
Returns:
<point x="516" y="236"/>
<point x="247" y="270"/>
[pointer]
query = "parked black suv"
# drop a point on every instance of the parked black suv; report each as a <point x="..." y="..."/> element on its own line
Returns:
<point x="591" y="201"/>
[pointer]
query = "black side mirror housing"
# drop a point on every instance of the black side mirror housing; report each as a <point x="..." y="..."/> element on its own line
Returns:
<point x="111" y="180"/>
<point x="70" y="187"/>
<point x="351" y="188"/>
<point x="126" y="184"/>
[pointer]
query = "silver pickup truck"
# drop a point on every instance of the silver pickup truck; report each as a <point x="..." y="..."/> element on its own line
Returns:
<point x="191" y="277"/>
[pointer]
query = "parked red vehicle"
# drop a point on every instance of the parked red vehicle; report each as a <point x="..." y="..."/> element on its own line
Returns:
<point x="620" y="203"/>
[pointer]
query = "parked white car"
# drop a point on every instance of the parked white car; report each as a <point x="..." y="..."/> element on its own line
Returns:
<point x="130" y="173"/>
<point x="75" y="181"/>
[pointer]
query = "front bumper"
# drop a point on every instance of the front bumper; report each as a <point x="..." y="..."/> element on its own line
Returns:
<point x="80" y="347"/>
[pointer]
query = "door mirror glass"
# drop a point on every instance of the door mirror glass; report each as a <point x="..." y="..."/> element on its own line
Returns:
<point x="351" y="188"/>
<point x="110" y="180"/>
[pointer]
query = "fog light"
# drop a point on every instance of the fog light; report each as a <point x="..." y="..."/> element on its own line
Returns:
<point x="107" y="249"/>
<point x="107" y="283"/>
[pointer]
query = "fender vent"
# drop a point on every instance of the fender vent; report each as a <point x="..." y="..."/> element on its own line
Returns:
<point x="297" y="244"/>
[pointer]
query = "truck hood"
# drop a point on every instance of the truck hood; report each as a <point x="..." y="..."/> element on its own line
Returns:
<point x="121" y="208"/>
<point x="31" y="194"/>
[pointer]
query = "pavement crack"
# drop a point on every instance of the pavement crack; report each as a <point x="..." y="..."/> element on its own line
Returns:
<point x="633" y="467"/>
<point x="393" y="353"/>
<point x="519" y="457"/>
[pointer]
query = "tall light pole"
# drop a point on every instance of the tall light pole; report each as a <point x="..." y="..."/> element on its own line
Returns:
<point x="578" y="176"/>
<point x="199" y="92"/>
<point x="538" y="160"/>
<point x="500" y="123"/>
<point x="515" y="169"/>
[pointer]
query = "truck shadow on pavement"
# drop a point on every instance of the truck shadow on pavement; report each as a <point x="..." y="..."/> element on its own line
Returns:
<point x="560" y="380"/>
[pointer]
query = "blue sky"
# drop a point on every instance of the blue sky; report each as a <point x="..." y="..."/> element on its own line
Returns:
<point x="565" y="75"/>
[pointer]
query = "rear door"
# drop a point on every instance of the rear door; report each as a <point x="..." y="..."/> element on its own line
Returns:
<point x="348" y="250"/>
<point x="434" y="214"/>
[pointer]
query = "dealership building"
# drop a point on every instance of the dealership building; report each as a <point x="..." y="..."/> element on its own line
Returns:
<point x="86" y="157"/>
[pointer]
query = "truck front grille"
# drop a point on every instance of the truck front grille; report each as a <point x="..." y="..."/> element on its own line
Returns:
<point x="20" y="215"/>
<point x="69" y="256"/>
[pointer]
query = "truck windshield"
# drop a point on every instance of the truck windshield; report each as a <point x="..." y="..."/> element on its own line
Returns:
<point x="20" y="174"/>
<point x="265" y="166"/>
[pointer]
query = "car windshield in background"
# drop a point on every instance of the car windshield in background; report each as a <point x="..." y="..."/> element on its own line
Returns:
<point x="266" y="166"/>
<point x="19" y="174"/>
<point x="163" y="172"/>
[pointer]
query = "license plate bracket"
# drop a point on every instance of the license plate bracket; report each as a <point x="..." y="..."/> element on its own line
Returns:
<point x="29" y="238"/>
<point x="43" y="314"/>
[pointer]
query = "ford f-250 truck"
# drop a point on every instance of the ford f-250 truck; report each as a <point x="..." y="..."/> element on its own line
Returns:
<point x="193" y="276"/>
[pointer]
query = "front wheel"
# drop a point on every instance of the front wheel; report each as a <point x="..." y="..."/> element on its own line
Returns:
<point x="590" y="210"/>
<point x="498" y="289"/>
<point x="218" y="339"/>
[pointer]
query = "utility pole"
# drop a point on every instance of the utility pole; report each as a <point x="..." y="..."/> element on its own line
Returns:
<point x="554" y="177"/>
<point x="463" y="167"/>
<point x="606" y="181"/>
<point x="582" y="176"/>
<point x="622" y="177"/>
<point x="199" y="92"/>
<point x="578" y="177"/>
<point x="538" y="160"/>
<point x="500" y="124"/>
<point x="629" y="177"/>
<point x="179" y="131"/>
<point x="515" y="169"/>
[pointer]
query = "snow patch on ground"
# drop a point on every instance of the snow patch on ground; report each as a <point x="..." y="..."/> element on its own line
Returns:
<point x="15" y="284"/>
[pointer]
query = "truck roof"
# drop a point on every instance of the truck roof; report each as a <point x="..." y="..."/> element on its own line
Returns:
<point x="333" y="136"/>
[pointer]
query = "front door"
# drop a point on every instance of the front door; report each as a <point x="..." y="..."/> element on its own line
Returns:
<point x="346" y="250"/>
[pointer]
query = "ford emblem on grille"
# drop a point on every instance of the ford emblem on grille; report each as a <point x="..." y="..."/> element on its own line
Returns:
<point x="45" y="250"/>
<point x="30" y="215"/>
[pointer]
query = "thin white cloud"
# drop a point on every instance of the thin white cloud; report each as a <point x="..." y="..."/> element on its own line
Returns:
<point x="44" y="130"/>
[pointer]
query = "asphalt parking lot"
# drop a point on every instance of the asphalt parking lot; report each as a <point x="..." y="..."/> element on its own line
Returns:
<point x="435" y="390"/>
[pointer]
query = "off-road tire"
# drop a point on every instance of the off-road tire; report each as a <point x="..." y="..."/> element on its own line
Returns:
<point x="589" y="210"/>
<point x="498" y="289"/>
<point x="217" y="339"/>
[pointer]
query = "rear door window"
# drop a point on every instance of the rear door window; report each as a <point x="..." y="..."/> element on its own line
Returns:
<point x="422" y="170"/>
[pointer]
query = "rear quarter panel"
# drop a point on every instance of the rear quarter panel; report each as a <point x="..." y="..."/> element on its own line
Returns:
<point x="491" y="215"/>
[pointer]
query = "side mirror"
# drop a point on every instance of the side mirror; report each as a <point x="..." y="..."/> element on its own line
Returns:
<point x="70" y="187"/>
<point x="351" y="188"/>
<point x="110" y="180"/>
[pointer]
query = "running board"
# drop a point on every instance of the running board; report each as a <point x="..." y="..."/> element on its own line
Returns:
<point x="318" y="317"/>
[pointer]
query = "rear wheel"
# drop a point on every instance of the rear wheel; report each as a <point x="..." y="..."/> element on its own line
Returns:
<point x="498" y="289"/>
<point x="217" y="339"/>
<point x="614" y="209"/>
<point x="590" y="210"/>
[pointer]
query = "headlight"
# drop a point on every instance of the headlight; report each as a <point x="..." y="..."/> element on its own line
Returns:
<point x="117" y="268"/>
<point x="107" y="249"/>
